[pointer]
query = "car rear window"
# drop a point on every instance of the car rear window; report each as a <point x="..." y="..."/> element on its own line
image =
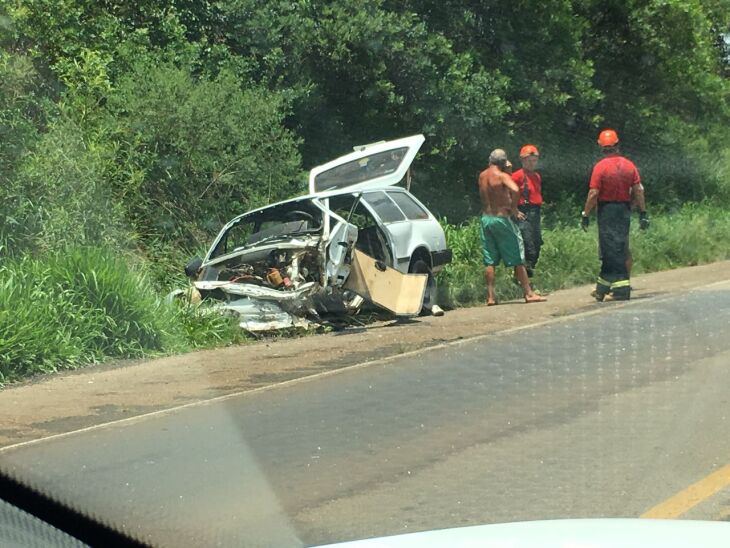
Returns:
<point x="368" y="168"/>
<point x="384" y="207"/>
<point x="408" y="205"/>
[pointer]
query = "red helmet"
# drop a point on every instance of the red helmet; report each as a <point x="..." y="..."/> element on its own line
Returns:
<point x="608" y="138"/>
<point x="529" y="150"/>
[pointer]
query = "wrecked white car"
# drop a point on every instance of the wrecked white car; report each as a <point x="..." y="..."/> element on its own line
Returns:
<point x="356" y="237"/>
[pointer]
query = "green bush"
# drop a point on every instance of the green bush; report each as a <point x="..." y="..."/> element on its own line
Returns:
<point x="20" y="110"/>
<point x="60" y="195"/>
<point x="21" y="114"/>
<point x="194" y="152"/>
<point x="694" y="234"/>
<point x="199" y="327"/>
<point x="84" y="305"/>
<point x="72" y="307"/>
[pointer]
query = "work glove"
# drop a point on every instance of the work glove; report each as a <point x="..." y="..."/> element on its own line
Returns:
<point x="584" y="221"/>
<point x="643" y="220"/>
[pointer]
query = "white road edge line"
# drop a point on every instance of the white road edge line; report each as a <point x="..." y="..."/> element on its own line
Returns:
<point x="378" y="361"/>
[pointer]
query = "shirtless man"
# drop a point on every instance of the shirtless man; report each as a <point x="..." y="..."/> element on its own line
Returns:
<point x="501" y="238"/>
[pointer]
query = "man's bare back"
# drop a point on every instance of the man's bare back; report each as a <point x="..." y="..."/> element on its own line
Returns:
<point x="498" y="192"/>
<point x="501" y="239"/>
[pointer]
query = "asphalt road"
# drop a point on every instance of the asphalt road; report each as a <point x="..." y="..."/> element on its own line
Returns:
<point x="599" y="415"/>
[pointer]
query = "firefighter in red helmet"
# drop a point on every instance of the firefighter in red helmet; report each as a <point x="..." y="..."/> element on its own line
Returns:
<point x="529" y="182"/>
<point x="615" y="184"/>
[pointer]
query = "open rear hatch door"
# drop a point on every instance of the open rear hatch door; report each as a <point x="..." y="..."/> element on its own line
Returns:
<point x="401" y="294"/>
<point x="370" y="166"/>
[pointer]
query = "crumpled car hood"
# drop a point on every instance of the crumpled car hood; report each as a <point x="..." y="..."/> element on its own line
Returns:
<point x="258" y="292"/>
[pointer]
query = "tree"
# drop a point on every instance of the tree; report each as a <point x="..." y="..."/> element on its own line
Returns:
<point x="192" y="153"/>
<point x="659" y="68"/>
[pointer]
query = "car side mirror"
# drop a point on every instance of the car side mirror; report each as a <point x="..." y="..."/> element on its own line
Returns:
<point x="193" y="267"/>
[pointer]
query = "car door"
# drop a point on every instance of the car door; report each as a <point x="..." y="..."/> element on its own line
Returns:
<point x="342" y="239"/>
<point x="394" y="226"/>
<point x="402" y="294"/>
<point x="338" y="240"/>
<point x="369" y="166"/>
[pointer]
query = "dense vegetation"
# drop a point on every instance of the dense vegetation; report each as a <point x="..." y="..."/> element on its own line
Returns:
<point x="80" y="305"/>
<point x="570" y="256"/>
<point x="130" y="131"/>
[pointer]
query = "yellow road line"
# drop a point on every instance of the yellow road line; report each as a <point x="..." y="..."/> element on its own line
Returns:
<point x="680" y="503"/>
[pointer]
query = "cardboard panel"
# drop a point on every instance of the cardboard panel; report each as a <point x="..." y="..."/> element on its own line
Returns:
<point x="400" y="293"/>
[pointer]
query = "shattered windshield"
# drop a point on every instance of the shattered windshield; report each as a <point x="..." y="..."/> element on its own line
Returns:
<point x="269" y="225"/>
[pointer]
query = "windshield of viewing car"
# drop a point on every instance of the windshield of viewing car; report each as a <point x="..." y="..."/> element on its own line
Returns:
<point x="219" y="328"/>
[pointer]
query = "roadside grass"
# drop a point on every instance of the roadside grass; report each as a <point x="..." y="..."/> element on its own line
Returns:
<point x="691" y="235"/>
<point x="83" y="305"/>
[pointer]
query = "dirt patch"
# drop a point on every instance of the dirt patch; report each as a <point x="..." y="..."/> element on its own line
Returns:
<point x="72" y="400"/>
<point x="101" y="413"/>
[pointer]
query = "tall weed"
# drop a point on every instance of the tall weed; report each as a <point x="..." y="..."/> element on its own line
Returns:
<point x="84" y="305"/>
<point x="694" y="234"/>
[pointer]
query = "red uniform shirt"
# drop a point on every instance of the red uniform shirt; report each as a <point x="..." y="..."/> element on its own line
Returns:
<point x="613" y="177"/>
<point x="534" y="186"/>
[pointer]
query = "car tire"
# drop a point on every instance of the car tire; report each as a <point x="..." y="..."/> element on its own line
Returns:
<point x="419" y="266"/>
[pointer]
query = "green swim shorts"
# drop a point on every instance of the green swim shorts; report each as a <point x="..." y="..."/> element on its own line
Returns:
<point x="501" y="241"/>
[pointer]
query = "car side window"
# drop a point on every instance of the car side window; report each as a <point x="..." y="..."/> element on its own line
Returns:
<point x="384" y="207"/>
<point x="409" y="206"/>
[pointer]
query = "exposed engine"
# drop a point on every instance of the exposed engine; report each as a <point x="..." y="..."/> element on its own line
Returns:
<point x="276" y="269"/>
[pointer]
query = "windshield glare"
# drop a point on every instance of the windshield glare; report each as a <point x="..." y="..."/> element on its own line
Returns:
<point x="286" y="273"/>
